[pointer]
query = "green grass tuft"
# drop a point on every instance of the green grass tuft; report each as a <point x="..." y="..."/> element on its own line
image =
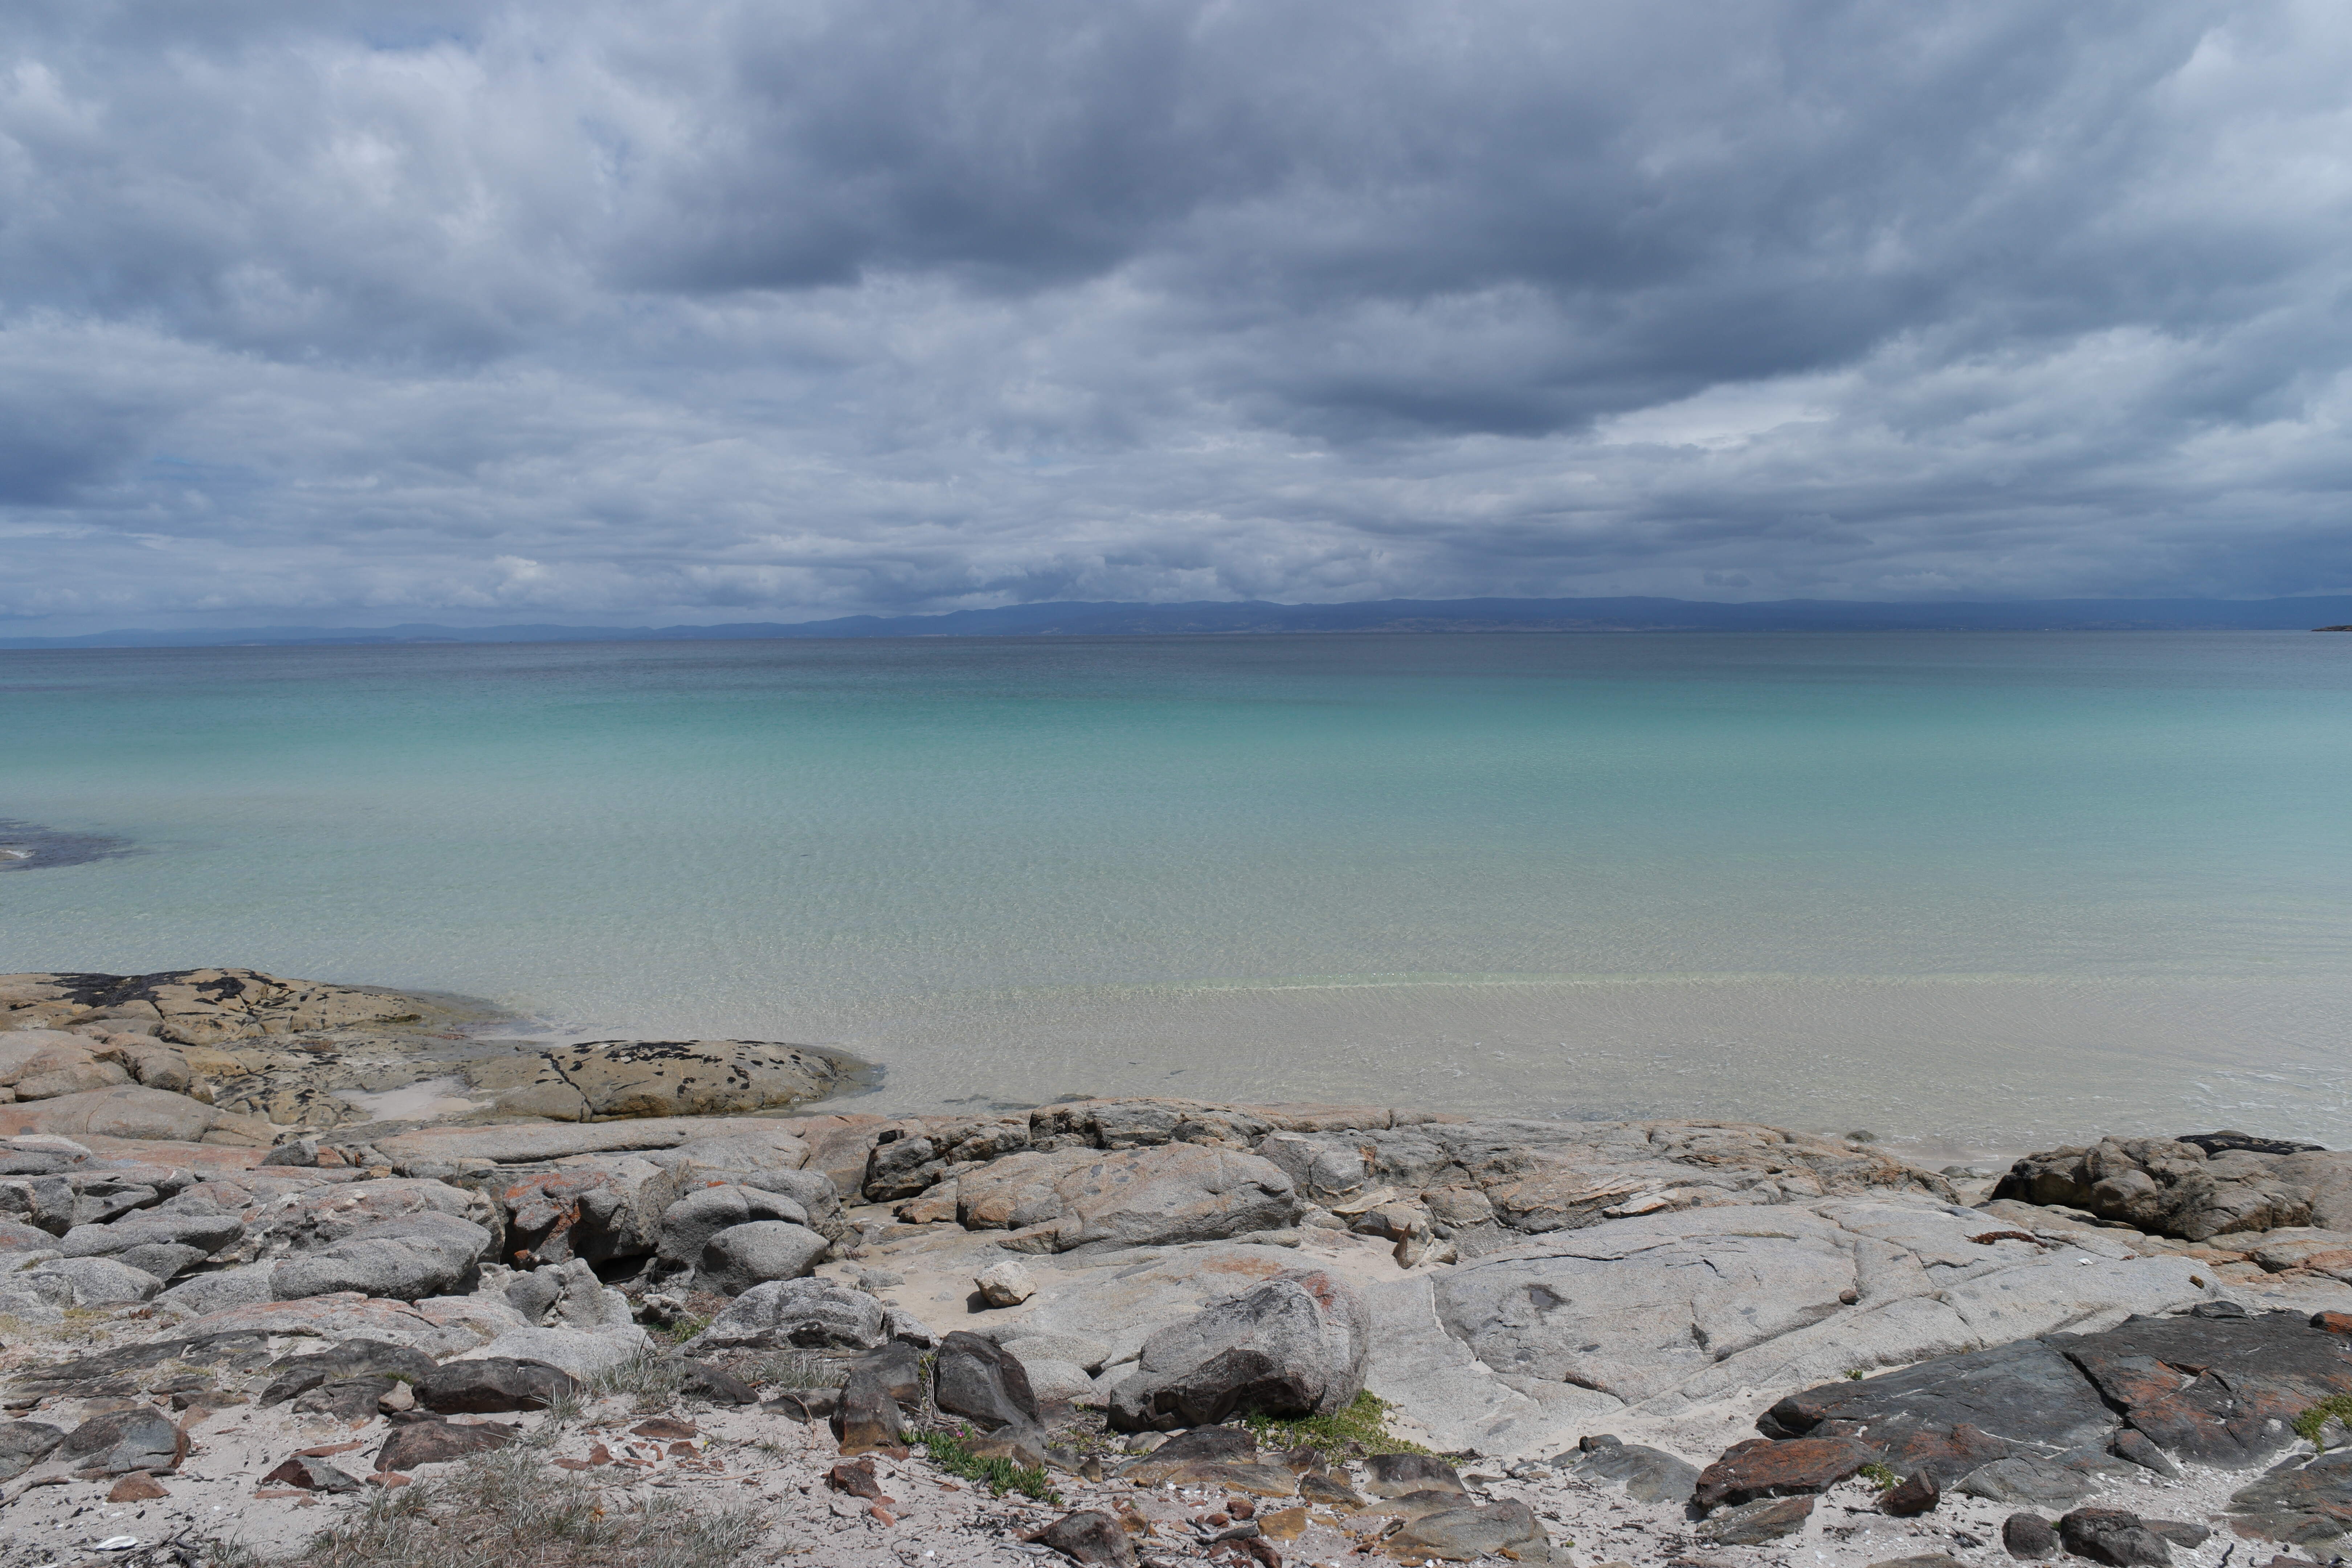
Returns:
<point x="2307" y="1424"/>
<point x="951" y="1451"/>
<point x="1361" y="1428"/>
<point x="1880" y="1476"/>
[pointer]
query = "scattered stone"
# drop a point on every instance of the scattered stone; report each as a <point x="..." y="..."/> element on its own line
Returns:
<point x="1460" y="1534"/>
<point x="869" y="1414"/>
<point x="2113" y="1536"/>
<point x="1648" y="1475"/>
<point x="1761" y="1467"/>
<point x="124" y="1440"/>
<point x="1328" y="1491"/>
<point x="434" y="1442"/>
<point x="1395" y="1475"/>
<point x="983" y="1382"/>
<point x="1089" y="1536"/>
<point x="2028" y="1536"/>
<point x="1006" y="1284"/>
<point x="1753" y="1524"/>
<point x="493" y="1384"/>
<point x="137" y="1487"/>
<point x="312" y="1476"/>
<point x="346" y="1399"/>
<point x="1917" y="1495"/>
<point x="24" y="1444"/>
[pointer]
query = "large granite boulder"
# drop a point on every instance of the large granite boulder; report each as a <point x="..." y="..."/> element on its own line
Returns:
<point x="688" y="1225"/>
<point x="602" y="1080"/>
<point x="742" y="1256"/>
<point x="1296" y="1345"/>
<point x="2196" y="1187"/>
<point x="417" y="1255"/>
<point x="1150" y="1196"/>
<point x="811" y="1314"/>
<point x="309" y="1218"/>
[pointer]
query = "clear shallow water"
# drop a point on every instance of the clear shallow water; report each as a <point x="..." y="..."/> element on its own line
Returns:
<point x="1971" y="890"/>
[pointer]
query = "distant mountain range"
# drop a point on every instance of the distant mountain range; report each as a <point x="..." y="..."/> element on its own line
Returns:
<point x="1628" y="614"/>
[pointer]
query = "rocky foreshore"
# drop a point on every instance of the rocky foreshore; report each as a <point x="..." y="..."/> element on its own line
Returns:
<point x="1109" y="1331"/>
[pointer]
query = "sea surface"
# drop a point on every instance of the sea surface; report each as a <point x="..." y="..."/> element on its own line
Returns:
<point x="1971" y="892"/>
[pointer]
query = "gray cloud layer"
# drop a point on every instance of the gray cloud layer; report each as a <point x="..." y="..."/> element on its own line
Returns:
<point x="710" y="310"/>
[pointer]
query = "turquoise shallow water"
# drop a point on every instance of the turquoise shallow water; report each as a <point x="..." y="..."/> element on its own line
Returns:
<point x="1968" y="891"/>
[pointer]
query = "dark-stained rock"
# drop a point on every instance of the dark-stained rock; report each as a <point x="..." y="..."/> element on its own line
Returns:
<point x="312" y="1474"/>
<point x="121" y="1441"/>
<point x="2215" y="1389"/>
<point x="1917" y="1495"/>
<point x="433" y="1442"/>
<point x="1461" y="1534"/>
<point x="869" y="1413"/>
<point x="1761" y="1468"/>
<point x="1089" y="1536"/>
<point x="2221" y="1388"/>
<point x="492" y="1383"/>
<point x="1296" y="1345"/>
<point x="2028" y="1536"/>
<point x="351" y="1359"/>
<point x="2022" y="1393"/>
<point x="2301" y="1500"/>
<point x="977" y="1379"/>
<point x="1752" y="1524"/>
<point x="2135" y="1447"/>
<point x="24" y="1444"/>
<point x="2113" y="1536"/>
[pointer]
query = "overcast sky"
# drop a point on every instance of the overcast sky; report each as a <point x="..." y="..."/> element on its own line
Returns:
<point x="331" y="313"/>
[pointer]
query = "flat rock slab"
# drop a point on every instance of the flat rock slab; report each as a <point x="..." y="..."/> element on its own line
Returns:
<point x="602" y="1080"/>
<point x="438" y="1149"/>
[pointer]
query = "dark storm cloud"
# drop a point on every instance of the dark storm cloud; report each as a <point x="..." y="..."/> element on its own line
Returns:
<point x="695" y="310"/>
